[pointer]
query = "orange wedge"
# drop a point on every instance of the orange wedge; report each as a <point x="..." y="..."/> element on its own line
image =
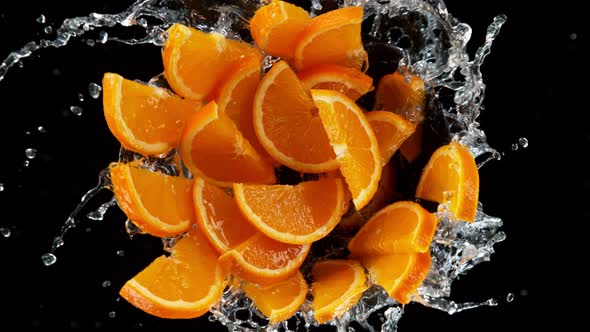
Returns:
<point x="399" y="274"/>
<point x="184" y="285"/>
<point x="276" y="26"/>
<point x="144" y="118"/>
<point x="158" y="204"/>
<point x="337" y="286"/>
<point x="195" y="61"/>
<point x="402" y="227"/>
<point x="219" y="217"/>
<point x="333" y="37"/>
<point x="391" y="131"/>
<point x="451" y="175"/>
<point x="354" y="143"/>
<point x="280" y="301"/>
<point x="212" y="147"/>
<point x="264" y="261"/>
<point x="298" y="214"/>
<point x="351" y="82"/>
<point x="287" y="124"/>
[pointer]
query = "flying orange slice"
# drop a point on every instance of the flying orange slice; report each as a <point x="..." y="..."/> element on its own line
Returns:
<point x="351" y="82"/>
<point x="391" y="131"/>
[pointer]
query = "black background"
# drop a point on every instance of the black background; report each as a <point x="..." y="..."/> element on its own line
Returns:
<point x="533" y="75"/>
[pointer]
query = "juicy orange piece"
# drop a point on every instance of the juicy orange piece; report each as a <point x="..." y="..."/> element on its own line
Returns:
<point x="195" y="61"/>
<point x="333" y="37"/>
<point x="405" y="97"/>
<point x="280" y="301"/>
<point x="349" y="81"/>
<point x="287" y="124"/>
<point x="451" y="175"/>
<point x="219" y="217"/>
<point x="184" y="285"/>
<point x="264" y="261"/>
<point x="399" y="274"/>
<point x="213" y="148"/>
<point x="391" y="131"/>
<point x="337" y="286"/>
<point x="276" y="26"/>
<point x="158" y="204"/>
<point x="144" y="118"/>
<point x="401" y="227"/>
<point x="353" y="141"/>
<point x="298" y="214"/>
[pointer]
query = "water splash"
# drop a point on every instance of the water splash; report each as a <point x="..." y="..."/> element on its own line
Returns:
<point x="102" y="210"/>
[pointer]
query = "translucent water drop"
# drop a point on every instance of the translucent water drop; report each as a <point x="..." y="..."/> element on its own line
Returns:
<point x="573" y="36"/>
<point x="112" y="314"/>
<point x="523" y="142"/>
<point x="1" y="186"/>
<point x="94" y="90"/>
<point x="27" y="132"/>
<point x="48" y="259"/>
<point x="121" y="253"/>
<point x="26" y="163"/>
<point x="106" y="284"/>
<point x="58" y="242"/>
<point x="103" y="36"/>
<point x="142" y="22"/>
<point x="76" y="110"/>
<point x="510" y="297"/>
<point x="20" y="64"/>
<point x="42" y="130"/>
<point x="90" y="42"/>
<point x="41" y="19"/>
<point x="80" y="97"/>
<point x="5" y="232"/>
<point x="514" y="146"/>
<point x="524" y="292"/>
<point x="48" y="29"/>
<point x="31" y="153"/>
<point x="132" y="229"/>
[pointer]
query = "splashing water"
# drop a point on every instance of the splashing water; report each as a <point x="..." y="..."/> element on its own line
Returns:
<point x="412" y="35"/>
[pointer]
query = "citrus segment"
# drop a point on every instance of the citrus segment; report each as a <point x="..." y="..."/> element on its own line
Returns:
<point x="184" y="285"/>
<point x="451" y="175"/>
<point x="391" y="131"/>
<point x="287" y="125"/>
<point x="213" y="148"/>
<point x="333" y="37"/>
<point x="144" y="118"/>
<point x="276" y="26"/>
<point x="399" y="274"/>
<point x="279" y="301"/>
<point x="353" y="141"/>
<point x="337" y="286"/>
<point x="299" y="214"/>
<point x="158" y="204"/>
<point x="262" y="260"/>
<point x="195" y="61"/>
<point x="402" y="227"/>
<point x="219" y="217"/>
<point x="351" y="82"/>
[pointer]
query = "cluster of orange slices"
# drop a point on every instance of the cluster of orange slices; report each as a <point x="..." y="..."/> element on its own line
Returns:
<point x="233" y="125"/>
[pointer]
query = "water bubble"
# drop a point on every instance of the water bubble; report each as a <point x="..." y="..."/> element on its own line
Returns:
<point x="510" y="297"/>
<point x="121" y="253"/>
<point x="106" y="284"/>
<point x="48" y="29"/>
<point x="42" y="130"/>
<point x="112" y="314"/>
<point x="103" y="36"/>
<point x="76" y="110"/>
<point x="94" y="90"/>
<point x="1" y="186"/>
<point x="514" y="146"/>
<point x="41" y="19"/>
<point x="523" y="142"/>
<point x="5" y="232"/>
<point x="31" y="153"/>
<point x="48" y="259"/>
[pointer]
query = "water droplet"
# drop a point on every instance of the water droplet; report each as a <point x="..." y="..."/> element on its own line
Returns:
<point x="510" y="297"/>
<point x="90" y="42"/>
<point x="106" y="284"/>
<point x="26" y="163"/>
<point x="76" y="110"/>
<point x="58" y="242"/>
<point x="573" y="36"/>
<point x="41" y="19"/>
<point x="523" y="142"/>
<point x="514" y="146"/>
<point x="88" y="229"/>
<point x="94" y="90"/>
<point x="20" y="64"/>
<point x="121" y="253"/>
<point x="132" y="229"/>
<point x="48" y="29"/>
<point x="112" y="314"/>
<point x="142" y="22"/>
<point x="31" y="153"/>
<point x="103" y="36"/>
<point x="80" y="97"/>
<point x="48" y="259"/>
<point x="42" y="130"/>
<point x="5" y="232"/>
<point x="1" y="186"/>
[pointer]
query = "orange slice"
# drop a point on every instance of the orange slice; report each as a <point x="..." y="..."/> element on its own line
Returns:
<point x="451" y="175"/>
<point x="399" y="274"/>
<point x="353" y="141"/>
<point x="276" y="26"/>
<point x="333" y="37"/>
<point x="158" y="204"/>
<point x="401" y="227"/>
<point x="219" y="217"/>
<point x="213" y="148"/>
<point x="144" y="118"/>
<point x="349" y="81"/>
<point x="195" y="61"/>
<point x="184" y="285"/>
<point x="337" y="286"/>
<point x="391" y="131"/>
<point x="264" y="261"/>
<point x="298" y="214"/>
<point x="287" y="124"/>
<point x="280" y="301"/>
